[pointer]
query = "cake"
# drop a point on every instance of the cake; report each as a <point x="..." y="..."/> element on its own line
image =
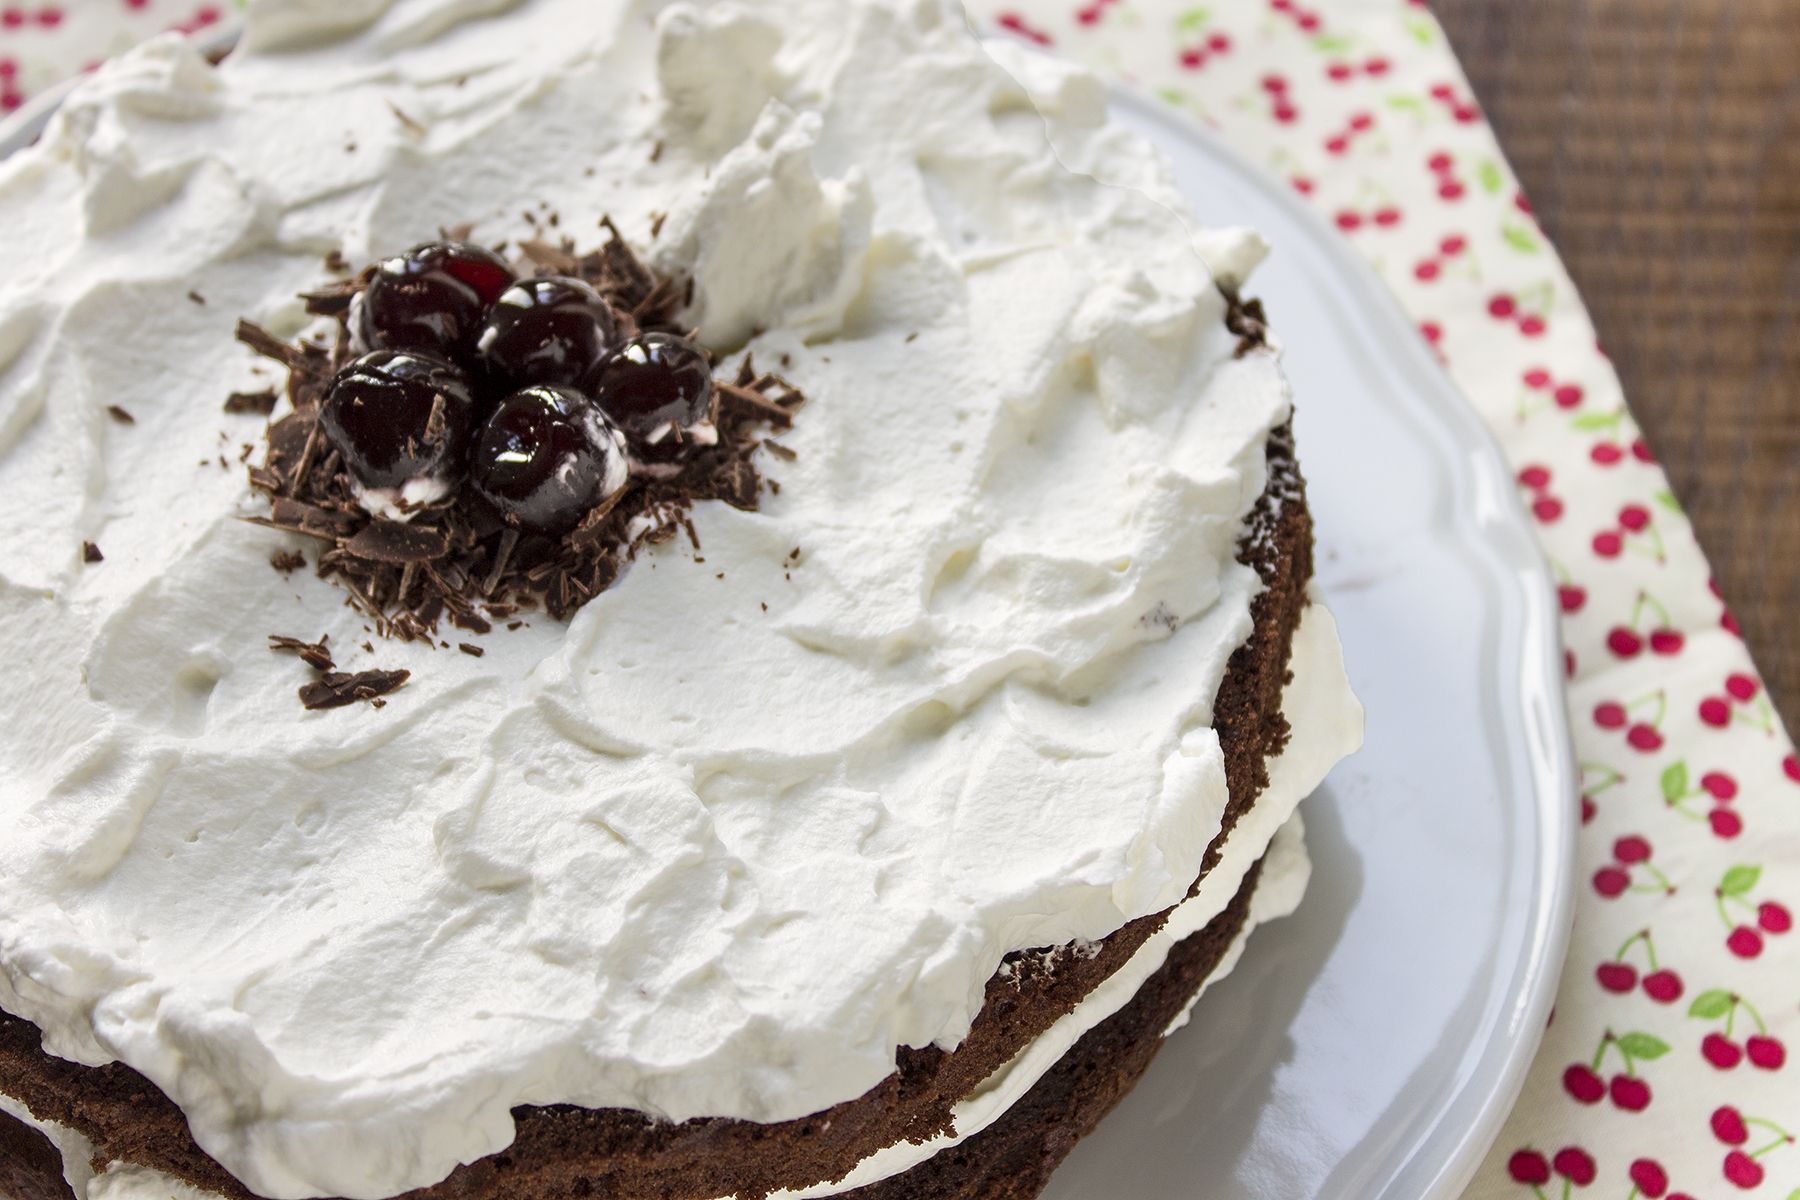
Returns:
<point x="851" y="794"/>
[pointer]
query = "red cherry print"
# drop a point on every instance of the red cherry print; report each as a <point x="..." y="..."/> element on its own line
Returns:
<point x="1743" y="1170"/>
<point x="1274" y="84"/>
<point x="1635" y="517"/>
<point x="1376" y="66"/>
<point x="1606" y="454"/>
<point x="1348" y="220"/>
<point x="1388" y="217"/>
<point x="1715" y="712"/>
<point x="1742" y="688"/>
<point x="1547" y="509"/>
<point x="1765" y="1052"/>
<point x="1451" y="190"/>
<point x="1640" y="450"/>
<point x="1608" y="544"/>
<point x="1774" y="918"/>
<point x="1745" y="942"/>
<point x="1649" y="1177"/>
<point x="1286" y="113"/>
<point x="1091" y="16"/>
<point x="1632" y="849"/>
<point x="1583" y="1085"/>
<point x="1624" y="643"/>
<point x="1666" y="642"/>
<point x="1502" y="307"/>
<point x="1610" y="715"/>
<point x="1721" y="1052"/>
<point x="1663" y="986"/>
<point x="1644" y="738"/>
<point x="1532" y="326"/>
<point x="1191" y="59"/>
<point x="1537" y="379"/>
<point x="1308" y="21"/>
<point x="1340" y="71"/>
<point x="1535" y="477"/>
<point x="1725" y="823"/>
<point x="1617" y="977"/>
<point x="1630" y="1093"/>
<point x="1337" y="144"/>
<point x="1575" y="1165"/>
<point x="1728" y="1126"/>
<point x="1218" y="43"/>
<point x="1427" y="271"/>
<point x="1611" y="882"/>
<point x="1719" y="786"/>
<point x="1791" y="765"/>
<point x="1573" y="598"/>
<point x="1440" y="162"/>
<point x="1588" y="810"/>
<point x="1362" y="122"/>
<point x="1529" y="1167"/>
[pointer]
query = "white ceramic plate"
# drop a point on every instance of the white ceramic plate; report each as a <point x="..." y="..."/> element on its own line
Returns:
<point x="1369" y="1047"/>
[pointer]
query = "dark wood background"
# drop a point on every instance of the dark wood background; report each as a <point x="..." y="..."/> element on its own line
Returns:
<point x="1659" y="141"/>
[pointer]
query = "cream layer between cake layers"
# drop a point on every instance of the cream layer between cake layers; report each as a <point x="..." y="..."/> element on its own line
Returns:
<point x="675" y="855"/>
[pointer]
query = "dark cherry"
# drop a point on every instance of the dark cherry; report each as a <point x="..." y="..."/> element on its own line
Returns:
<point x="398" y="416"/>
<point x="433" y="297"/>
<point x="546" y="458"/>
<point x="658" y="388"/>
<point x="551" y="330"/>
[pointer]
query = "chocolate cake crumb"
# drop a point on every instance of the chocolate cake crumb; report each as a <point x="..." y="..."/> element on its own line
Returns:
<point x="197" y="298"/>
<point x="90" y="553"/>
<point x="120" y="415"/>
<point x="336" y="263"/>
<point x="470" y="649"/>
<point x="287" y="561"/>
<point x="1246" y="319"/>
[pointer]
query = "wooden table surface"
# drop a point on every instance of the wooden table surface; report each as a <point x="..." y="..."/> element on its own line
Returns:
<point x="1659" y="141"/>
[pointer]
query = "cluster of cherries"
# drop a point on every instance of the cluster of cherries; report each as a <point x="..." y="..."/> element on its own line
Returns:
<point x="524" y="387"/>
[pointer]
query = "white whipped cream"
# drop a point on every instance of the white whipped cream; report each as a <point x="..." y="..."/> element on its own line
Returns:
<point x="720" y="845"/>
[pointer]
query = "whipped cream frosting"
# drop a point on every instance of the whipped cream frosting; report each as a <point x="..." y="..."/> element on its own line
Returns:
<point x="743" y="827"/>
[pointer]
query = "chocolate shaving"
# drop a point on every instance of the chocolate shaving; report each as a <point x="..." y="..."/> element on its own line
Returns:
<point x="314" y="654"/>
<point x="401" y="545"/>
<point x="197" y="298"/>
<point x="470" y="649"/>
<point x="260" y="403"/>
<point x="287" y="561"/>
<point x="337" y="690"/>
<point x="413" y="126"/>
<point x="457" y="560"/>
<point x="120" y="415"/>
<point x="90" y="553"/>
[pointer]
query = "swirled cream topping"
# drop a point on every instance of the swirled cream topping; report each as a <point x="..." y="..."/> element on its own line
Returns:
<point x="763" y="812"/>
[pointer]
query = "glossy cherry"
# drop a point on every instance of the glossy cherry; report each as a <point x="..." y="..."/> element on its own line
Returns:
<point x="658" y="388"/>
<point x="398" y="416"/>
<point x="550" y="330"/>
<point x="546" y="458"/>
<point x="433" y="297"/>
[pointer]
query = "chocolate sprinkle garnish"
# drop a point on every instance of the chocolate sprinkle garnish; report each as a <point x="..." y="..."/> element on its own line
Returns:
<point x="314" y="654"/>
<point x="197" y="298"/>
<point x="470" y="649"/>
<point x="337" y="690"/>
<point x="456" y="559"/>
<point x="120" y="415"/>
<point x="287" y="561"/>
<point x="90" y="553"/>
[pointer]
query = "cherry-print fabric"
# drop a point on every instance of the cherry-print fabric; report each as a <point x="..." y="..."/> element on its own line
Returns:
<point x="1669" y="1068"/>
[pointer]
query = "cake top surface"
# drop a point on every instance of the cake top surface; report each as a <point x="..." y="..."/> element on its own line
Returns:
<point x="743" y="826"/>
